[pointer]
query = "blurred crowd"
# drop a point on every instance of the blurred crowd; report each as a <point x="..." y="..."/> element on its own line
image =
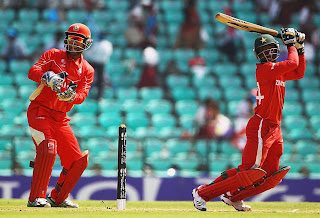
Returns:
<point x="142" y="33"/>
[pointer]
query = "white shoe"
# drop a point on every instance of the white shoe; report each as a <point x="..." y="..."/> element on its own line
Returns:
<point x="65" y="203"/>
<point x="238" y="205"/>
<point x="198" y="202"/>
<point x="39" y="202"/>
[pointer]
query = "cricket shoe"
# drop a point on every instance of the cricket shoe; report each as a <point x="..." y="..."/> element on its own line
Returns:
<point x="238" y="205"/>
<point x="38" y="202"/>
<point x="65" y="203"/>
<point x="198" y="201"/>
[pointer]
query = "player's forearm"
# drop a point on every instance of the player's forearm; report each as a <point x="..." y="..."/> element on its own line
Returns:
<point x="82" y="93"/>
<point x="302" y="67"/>
<point x="292" y="61"/>
<point x="80" y="97"/>
<point x="299" y="72"/>
<point x="35" y="74"/>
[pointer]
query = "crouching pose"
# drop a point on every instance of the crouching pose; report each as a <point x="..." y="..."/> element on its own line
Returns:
<point x="259" y="170"/>
<point x="64" y="78"/>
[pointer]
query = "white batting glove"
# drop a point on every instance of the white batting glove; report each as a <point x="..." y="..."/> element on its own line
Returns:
<point x="68" y="95"/>
<point x="54" y="81"/>
<point x="300" y="42"/>
<point x="288" y="36"/>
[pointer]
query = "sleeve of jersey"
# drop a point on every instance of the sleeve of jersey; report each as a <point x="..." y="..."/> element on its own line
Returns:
<point x="281" y="68"/>
<point x="42" y="66"/>
<point x="84" y="87"/>
<point x="299" y="72"/>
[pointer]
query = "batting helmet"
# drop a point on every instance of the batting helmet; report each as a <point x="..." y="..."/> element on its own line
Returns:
<point x="266" y="48"/>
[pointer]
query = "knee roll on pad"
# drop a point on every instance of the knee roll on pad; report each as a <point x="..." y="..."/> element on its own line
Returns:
<point x="72" y="177"/>
<point x="42" y="168"/>
<point x="269" y="183"/>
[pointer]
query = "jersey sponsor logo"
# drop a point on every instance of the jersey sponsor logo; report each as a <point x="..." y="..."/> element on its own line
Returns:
<point x="280" y="83"/>
<point x="79" y="72"/>
<point x="50" y="146"/>
<point x="63" y="62"/>
<point x="40" y="118"/>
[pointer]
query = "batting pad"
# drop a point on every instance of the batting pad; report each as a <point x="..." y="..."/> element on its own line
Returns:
<point x="72" y="177"/>
<point x="269" y="183"/>
<point x="239" y="180"/>
<point x="43" y="164"/>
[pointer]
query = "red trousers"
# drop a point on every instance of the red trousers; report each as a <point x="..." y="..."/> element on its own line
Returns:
<point x="45" y="123"/>
<point x="263" y="149"/>
<point x="264" y="146"/>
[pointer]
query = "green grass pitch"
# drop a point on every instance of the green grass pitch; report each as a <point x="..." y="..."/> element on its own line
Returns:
<point x="18" y="208"/>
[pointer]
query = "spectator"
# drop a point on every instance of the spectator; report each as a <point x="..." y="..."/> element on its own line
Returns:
<point x="15" y="49"/>
<point x="97" y="169"/>
<point x="149" y="69"/>
<point x="306" y="12"/>
<point x="244" y="112"/>
<point x="231" y="42"/>
<point x="172" y="68"/>
<point x="189" y="34"/>
<point x="143" y="25"/>
<point x="53" y="14"/>
<point x="304" y="172"/>
<point x="198" y="67"/>
<point x="98" y="56"/>
<point x="262" y="6"/>
<point x="57" y="41"/>
<point x="211" y="123"/>
<point x="281" y="12"/>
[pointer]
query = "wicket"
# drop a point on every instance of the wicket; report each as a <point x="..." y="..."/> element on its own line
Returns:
<point x="122" y="168"/>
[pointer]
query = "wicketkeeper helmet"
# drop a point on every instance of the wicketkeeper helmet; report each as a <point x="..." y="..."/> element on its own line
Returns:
<point x="78" y="38"/>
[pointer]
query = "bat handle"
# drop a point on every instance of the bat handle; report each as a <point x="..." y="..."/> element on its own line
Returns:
<point x="278" y="36"/>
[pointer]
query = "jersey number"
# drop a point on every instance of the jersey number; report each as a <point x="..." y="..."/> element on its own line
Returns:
<point x="259" y="96"/>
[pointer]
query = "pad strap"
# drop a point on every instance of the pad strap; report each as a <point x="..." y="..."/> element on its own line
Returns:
<point x="241" y="179"/>
<point x="72" y="177"/>
<point x="42" y="168"/>
<point x="269" y="183"/>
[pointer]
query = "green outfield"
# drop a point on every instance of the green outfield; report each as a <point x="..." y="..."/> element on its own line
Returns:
<point x="18" y="208"/>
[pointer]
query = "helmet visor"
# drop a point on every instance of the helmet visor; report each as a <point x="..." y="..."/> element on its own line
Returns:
<point x="76" y="38"/>
<point x="75" y="43"/>
<point x="268" y="55"/>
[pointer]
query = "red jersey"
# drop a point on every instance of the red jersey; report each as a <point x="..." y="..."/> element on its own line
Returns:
<point x="79" y="71"/>
<point x="271" y="79"/>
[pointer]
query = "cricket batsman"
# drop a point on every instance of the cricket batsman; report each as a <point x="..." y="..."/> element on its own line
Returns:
<point x="64" y="79"/>
<point x="259" y="170"/>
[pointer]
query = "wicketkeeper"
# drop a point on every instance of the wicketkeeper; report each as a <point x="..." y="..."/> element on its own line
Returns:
<point x="64" y="79"/>
<point x="259" y="170"/>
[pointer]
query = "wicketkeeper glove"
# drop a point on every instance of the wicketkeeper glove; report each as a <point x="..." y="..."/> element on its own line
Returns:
<point x="300" y="42"/>
<point x="288" y="36"/>
<point x="54" y="81"/>
<point x="68" y="95"/>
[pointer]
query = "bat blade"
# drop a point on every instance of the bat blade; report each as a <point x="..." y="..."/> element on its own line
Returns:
<point x="246" y="26"/>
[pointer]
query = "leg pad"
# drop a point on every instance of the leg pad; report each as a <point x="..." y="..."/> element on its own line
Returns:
<point x="269" y="183"/>
<point x="239" y="180"/>
<point x="72" y="177"/>
<point x="42" y="168"/>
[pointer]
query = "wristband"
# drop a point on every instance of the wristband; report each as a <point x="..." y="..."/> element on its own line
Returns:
<point x="300" y="51"/>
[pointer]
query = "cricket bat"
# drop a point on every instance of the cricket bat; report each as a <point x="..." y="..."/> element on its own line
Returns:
<point x="36" y="92"/>
<point x="246" y="26"/>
